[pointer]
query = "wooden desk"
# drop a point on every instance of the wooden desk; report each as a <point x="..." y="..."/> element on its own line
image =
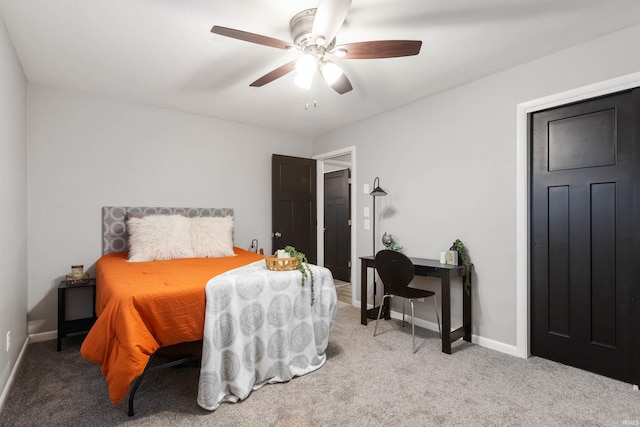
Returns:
<point x="433" y="268"/>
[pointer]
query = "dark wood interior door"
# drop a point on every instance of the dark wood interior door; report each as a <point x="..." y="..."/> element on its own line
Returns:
<point x="294" y="204"/>
<point x="584" y="234"/>
<point x="337" y="225"/>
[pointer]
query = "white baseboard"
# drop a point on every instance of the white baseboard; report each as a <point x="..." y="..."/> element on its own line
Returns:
<point x="7" y="387"/>
<point x="511" y="350"/>
<point x="43" y="336"/>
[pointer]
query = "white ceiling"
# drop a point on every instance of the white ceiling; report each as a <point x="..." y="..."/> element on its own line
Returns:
<point x="162" y="53"/>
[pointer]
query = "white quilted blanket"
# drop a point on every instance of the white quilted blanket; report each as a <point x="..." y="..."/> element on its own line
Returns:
<point x="261" y="328"/>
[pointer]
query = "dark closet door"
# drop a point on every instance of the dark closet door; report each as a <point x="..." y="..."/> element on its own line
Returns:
<point x="337" y="227"/>
<point x="584" y="246"/>
<point x="294" y="204"/>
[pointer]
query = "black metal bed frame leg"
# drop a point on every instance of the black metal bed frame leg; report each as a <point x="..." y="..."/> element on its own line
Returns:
<point x="149" y="368"/>
<point x="136" y="384"/>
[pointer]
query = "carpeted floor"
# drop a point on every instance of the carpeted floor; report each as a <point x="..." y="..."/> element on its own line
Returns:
<point x="366" y="381"/>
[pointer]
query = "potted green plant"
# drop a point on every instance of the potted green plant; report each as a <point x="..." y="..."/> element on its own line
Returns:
<point x="303" y="266"/>
<point x="464" y="257"/>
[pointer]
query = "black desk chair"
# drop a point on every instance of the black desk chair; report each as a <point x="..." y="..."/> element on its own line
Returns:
<point x="396" y="272"/>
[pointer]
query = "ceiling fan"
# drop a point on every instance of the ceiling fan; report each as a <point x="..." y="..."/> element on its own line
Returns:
<point x="314" y="35"/>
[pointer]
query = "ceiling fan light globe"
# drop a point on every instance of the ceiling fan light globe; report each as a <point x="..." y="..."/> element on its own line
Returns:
<point x="306" y="67"/>
<point x="304" y="80"/>
<point x="306" y="64"/>
<point x="331" y="72"/>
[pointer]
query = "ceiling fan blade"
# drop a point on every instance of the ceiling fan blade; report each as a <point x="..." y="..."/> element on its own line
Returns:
<point x="251" y="37"/>
<point x="330" y="16"/>
<point x="275" y="74"/>
<point x="380" y="49"/>
<point x="342" y="85"/>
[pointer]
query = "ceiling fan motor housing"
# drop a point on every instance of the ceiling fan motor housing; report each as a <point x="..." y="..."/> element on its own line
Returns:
<point x="301" y="31"/>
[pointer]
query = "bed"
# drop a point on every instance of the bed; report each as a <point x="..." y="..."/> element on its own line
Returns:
<point x="142" y="307"/>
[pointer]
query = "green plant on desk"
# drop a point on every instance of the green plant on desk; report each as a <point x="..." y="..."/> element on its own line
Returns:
<point x="464" y="257"/>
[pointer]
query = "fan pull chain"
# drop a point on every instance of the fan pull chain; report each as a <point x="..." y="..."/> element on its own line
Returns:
<point x="306" y="103"/>
<point x="315" y="104"/>
<point x="306" y="100"/>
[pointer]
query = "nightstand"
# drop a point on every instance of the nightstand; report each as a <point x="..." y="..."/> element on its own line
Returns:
<point x="66" y="327"/>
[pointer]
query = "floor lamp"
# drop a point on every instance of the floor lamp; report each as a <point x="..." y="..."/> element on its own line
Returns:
<point x="377" y="192"/>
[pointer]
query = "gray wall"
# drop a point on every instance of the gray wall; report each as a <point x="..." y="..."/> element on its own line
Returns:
<point x="449" y="165"/>
<point x="13" y="215"/>
<point x="88" y="151"/>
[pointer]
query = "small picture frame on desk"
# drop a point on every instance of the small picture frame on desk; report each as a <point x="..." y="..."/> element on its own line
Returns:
<point x="452" y="257"/>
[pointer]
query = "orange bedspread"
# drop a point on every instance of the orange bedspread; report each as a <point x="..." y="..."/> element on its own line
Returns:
<point x="142" y="306"/>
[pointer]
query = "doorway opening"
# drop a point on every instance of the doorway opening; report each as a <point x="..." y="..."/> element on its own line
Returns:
<point x="343" y="159"/>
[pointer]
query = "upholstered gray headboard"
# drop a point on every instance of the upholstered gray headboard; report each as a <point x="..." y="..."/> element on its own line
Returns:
<point x="114" y="222"/>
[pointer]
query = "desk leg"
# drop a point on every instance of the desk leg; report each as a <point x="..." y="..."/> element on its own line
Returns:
<point x="446" y="314"/>
<point x="363" y="293"/>
<point x="466" y="310"/>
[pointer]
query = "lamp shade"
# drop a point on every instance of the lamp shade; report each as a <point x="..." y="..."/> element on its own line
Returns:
<point x="330" y="71"/>
<point x="306" y="67"/>
<point x="377" y="191"/>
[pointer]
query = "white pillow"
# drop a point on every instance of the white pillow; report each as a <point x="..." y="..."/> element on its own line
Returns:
<point x="212" y="237"/>
<point x="159" y="237"/>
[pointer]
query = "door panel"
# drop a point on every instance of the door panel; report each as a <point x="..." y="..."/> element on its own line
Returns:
<point x="584" y="161"/>
<point x="603" y="289"/>
<point x="294" y="204"/>
<point x="582" y="141"/>
<point x="558" y="259"/>
<point x="337" y="232"/>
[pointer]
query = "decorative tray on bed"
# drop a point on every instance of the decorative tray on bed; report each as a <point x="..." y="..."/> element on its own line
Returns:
<point x="281" y="264"/>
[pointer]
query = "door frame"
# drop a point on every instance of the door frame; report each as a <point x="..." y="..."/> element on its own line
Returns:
<point x="320" y="170"/>
<point x="523" y="158"/>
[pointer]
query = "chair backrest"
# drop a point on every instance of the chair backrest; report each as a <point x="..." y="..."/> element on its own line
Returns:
<point x="395" y="270"/>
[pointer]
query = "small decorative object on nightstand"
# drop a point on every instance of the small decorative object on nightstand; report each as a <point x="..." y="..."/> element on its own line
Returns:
<point x="77" y="275"/>
<point x="66" y="327"/>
